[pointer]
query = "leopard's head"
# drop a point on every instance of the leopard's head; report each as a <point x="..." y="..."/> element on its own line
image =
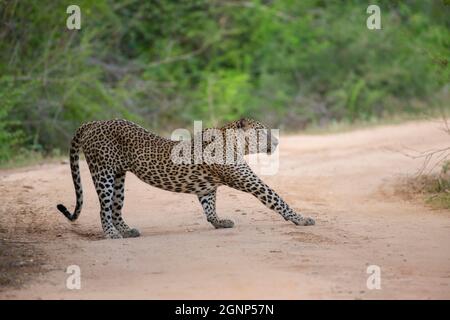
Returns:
<point x="257" y="137"/>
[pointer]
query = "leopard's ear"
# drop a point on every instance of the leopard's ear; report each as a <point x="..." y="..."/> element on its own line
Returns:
<point x="242" y="123"/>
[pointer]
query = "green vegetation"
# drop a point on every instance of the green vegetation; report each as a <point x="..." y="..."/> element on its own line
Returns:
<point x="289" y="63"/>
<point x="437" y="188"/>
<point x="433" y="188"/>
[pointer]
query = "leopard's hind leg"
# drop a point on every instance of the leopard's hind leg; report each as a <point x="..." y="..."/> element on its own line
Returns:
<point x="118" y="198"/>
<point x="104" y="185"/>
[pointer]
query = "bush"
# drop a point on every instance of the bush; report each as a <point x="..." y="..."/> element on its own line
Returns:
<point x="164" y="64"/>
<point x="11" y="137"/>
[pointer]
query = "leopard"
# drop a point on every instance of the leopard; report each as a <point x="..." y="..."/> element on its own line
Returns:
<point x="114" y="147"/>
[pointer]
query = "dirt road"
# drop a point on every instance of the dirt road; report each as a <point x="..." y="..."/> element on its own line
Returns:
<point x="345" y="181"/>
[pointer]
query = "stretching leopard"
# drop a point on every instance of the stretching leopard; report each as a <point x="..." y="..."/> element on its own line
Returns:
<point x="114" y="147"/>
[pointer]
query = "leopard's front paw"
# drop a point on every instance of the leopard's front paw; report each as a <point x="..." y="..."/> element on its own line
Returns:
<point x="225" y="223"/>
<point x="132" y="233"/>
<point x="309" y="221"/>
<point x="301" y="221"/>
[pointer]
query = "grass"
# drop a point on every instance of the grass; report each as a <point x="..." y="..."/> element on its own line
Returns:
<point x="437" y="191"/>
<point x="27" y="158"/>
<point x="441" y="200"/>
<point x="433" y="189"/>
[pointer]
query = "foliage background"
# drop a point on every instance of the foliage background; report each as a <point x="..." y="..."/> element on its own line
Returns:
<point x="164" y="63"/>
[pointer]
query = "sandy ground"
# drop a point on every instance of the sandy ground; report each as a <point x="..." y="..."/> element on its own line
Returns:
<point x="345" y="181"/>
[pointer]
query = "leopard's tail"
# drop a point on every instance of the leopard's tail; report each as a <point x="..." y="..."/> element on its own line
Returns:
<point x="75" y="169"/>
